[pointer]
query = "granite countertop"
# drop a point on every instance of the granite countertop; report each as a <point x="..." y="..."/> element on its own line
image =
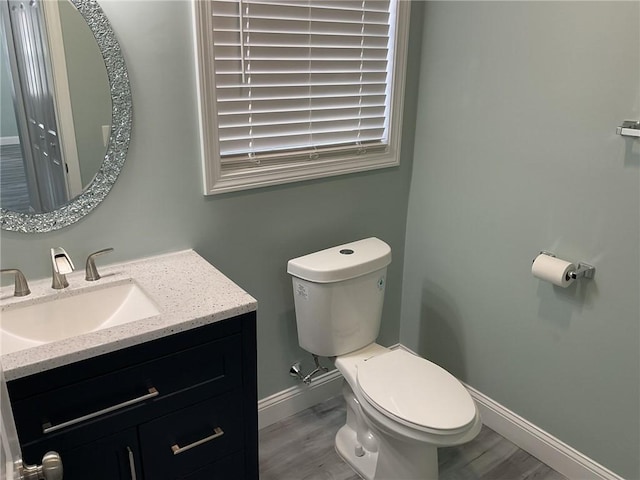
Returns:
<point x="188" y="291"/>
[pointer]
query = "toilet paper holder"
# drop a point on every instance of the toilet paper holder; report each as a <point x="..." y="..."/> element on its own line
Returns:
<point x="629" y="128"/>
<point x="583" y="270"/>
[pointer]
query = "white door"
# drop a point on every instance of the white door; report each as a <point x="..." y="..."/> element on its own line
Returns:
<point x="10" y="454"/>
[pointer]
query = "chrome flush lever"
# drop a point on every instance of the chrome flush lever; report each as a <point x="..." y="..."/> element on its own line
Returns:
<point x="91" y="272"/>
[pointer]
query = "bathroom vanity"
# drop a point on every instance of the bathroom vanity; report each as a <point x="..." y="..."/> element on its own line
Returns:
<point x="169" y="397"/>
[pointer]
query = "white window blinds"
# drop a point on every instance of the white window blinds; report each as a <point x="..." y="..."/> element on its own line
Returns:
<point x="301" y="79"/>
<point x="291" y="90"/>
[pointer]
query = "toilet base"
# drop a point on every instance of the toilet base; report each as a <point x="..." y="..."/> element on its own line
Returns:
<point x="346" y="441"/>
<point x="394" y="461"/>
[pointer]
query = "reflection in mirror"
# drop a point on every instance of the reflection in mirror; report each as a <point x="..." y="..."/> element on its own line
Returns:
<point x="52" y="129"/>
<point x="65" y="112"/>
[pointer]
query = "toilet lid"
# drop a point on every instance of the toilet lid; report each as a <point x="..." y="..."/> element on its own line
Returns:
<point x="415" y="391"/>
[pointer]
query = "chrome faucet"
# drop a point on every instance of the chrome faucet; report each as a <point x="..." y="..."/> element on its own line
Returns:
<point x="91" y="272"/>
<point x="21" y="287"/>
<point x="61" y="264"/>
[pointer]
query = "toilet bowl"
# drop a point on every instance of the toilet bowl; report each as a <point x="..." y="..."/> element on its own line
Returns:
<point x="400" y="407"/>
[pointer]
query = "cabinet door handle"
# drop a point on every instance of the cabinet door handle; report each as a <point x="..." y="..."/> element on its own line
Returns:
<point x="177" y="449"/>
<point x="132" y="464"/>
<point x="48" y="428"/>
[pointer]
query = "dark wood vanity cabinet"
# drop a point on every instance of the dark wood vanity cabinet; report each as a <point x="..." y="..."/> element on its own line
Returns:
<point x="182" y="407"/>
<point x="106" y="458"/>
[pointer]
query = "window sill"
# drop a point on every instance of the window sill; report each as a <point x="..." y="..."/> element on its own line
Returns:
<point x="217" y="181"/>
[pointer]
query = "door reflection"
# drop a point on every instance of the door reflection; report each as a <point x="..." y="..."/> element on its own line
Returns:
<point x="28" y="58"/>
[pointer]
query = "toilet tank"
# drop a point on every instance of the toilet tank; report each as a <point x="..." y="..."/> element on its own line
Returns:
<point x="338" y="295"/>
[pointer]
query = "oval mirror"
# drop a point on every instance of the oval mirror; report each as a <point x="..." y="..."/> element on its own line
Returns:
<point x="65" y="112"/>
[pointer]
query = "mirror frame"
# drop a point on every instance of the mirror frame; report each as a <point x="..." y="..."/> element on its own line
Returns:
<point x="120" y="135"/>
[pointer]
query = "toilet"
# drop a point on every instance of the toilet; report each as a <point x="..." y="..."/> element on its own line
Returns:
<point x="400" y="407"/>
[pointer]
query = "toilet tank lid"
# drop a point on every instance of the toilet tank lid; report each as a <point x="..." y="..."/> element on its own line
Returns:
<point x="343" y="262"/>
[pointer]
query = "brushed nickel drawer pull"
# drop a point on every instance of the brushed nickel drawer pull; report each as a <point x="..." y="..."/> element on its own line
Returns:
<point x="48" y="428"/>
<point x="177" y="449"/>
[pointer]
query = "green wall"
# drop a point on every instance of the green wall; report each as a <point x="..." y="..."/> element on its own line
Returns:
<point x="89" y="86"/>
<point x="157" y="204"/>
<point x="516" y="152"/>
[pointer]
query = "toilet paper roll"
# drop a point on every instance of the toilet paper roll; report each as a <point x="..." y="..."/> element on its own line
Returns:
<point x="552" y="269"/>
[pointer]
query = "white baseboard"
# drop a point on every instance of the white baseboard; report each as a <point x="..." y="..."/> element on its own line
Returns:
<point x="558" y="455"/>
<point x="548" y="449"/>
<point x="563" y="458"/>
<point x="288" y="402"/>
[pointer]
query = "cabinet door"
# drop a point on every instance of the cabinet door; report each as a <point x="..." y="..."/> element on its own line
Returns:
<point x="116" y="457"/>
<point x="175" y="445"/>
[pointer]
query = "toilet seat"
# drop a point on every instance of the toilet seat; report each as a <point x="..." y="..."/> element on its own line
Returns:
<point x="415" y="392"/>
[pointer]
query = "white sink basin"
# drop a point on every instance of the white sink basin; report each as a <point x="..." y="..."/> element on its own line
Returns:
<point x="51" y="319"/>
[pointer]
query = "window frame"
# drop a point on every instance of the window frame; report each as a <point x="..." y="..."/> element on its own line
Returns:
<point x="216" y="181"/>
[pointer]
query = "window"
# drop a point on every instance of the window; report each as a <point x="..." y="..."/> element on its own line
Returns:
<point x="298" y="89"/>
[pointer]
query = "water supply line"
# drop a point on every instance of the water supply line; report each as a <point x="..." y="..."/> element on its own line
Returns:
<point x="296" y="371"/>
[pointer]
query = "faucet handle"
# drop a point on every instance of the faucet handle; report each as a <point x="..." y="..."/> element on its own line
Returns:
<point x="21" y="287"/>
<point x="91" y="272"/>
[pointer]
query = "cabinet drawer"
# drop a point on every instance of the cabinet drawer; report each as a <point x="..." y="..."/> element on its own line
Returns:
<point x="231" y="467"/>
<point x="178" y="444"/>
<point x="127" y="396"/>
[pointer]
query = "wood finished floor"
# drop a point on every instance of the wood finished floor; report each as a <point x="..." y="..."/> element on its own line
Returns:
<point x="301" y="448"/>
